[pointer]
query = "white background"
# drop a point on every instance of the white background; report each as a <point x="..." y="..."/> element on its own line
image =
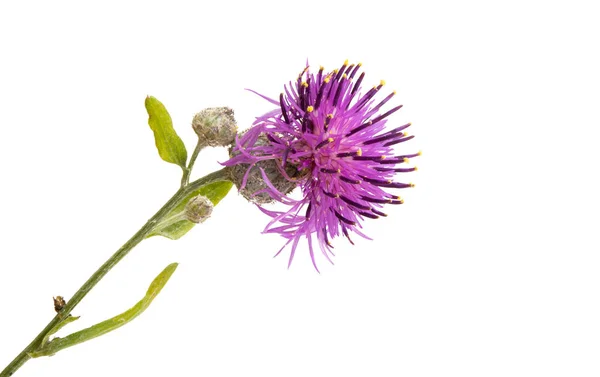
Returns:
<point x="489" y="269"/>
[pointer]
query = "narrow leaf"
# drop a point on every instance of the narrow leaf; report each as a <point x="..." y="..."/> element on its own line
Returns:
<point x="60" y="325"/>
<point x="58" y="344"/>
<point x="169" y="145"/>
<point x="214" y="191"/>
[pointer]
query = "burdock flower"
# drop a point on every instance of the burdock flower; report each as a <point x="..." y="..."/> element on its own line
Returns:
<point x="331" y="140"/>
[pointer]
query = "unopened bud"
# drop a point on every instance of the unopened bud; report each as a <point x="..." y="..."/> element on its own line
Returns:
<point x="215" y="126"/>
<point x="198" y="209"/>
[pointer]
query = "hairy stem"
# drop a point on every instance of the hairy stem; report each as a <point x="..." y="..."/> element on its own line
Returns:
<point x="188" y="170"/>
<point x="181" y="194"/>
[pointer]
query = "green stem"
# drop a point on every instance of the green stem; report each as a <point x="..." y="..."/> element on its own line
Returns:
<point x="181" y="194"/>
<point x="187" y="171"/>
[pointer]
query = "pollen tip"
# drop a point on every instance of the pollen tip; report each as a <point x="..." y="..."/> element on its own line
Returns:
<point x="389" y="181"/>
<point x="405" y="160"/>
<point x="412" y="184"/>
<point x="359" y="152"/>
<point x="382" y="82"/>
<point x="416" y="168"/>
<point x="329" y="116"/>
<point x="374" y="87"/>
<point x="359" y="64"/>
<point x="305" y="84"/>
<point x="401" y="201"/>
<point x="404" y="133"/>
<point x="330" y="140"/>
<point x="346" y="62"/>
<point x="383" y="157"/>
<point x="327" y="79"/>
<point x="321" y="68"/>
<point x="344" y="76"/>
<point x="339" y="171"/>
<point x="335" y="70"/>
<point x="310" y="109"/>
<point x="419" y="153"/>
<point x="394" y="92"/>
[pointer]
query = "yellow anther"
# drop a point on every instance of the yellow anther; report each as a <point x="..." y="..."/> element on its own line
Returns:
<point x="344" y="76"/>
<point x="416" y="168"/>
<point x="418" y="154"/>
<point x="339" y="171"/>
<point x="401" y="201"/>
<point x="359" y="64"/>
<point x="305" y="84"/>
<point x="359" y="152"/>
<point x="404" y="133"/>
<point x="394" y="92"/>
<point x="330" y="140"/>
<point x="389" y="181"/>
<point x="374" y="87"/>
<point x="412" y="184"/>
<point x="309" y="109"/>
<point x="405" y="160"/>
<point x="327" y="79"/>
<point x="321" y="68"/>
<point x="329" y="116"/>
<point x="382" y="82"/>
<point x="346" y="63"/>
<point x="336" y="70"/>
<point x="383" y="157"/>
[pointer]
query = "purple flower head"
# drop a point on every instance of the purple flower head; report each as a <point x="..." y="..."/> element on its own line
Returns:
<point x="331" y="140"/>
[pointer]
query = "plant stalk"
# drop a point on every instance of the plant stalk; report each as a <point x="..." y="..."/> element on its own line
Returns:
<point x="181" y="194"/>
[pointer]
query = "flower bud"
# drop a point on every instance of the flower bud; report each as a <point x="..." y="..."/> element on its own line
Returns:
<point x="198" y="209"/>
<point x="215" y="126"/>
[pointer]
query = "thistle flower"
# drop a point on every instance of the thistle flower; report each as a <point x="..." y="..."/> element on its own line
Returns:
<point x="334" y="140"/>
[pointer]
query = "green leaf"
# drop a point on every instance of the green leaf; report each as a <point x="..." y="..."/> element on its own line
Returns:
<point x="58" y="344"/>
<point x="169" y="145"/>
<point x="60" y="325"/>
<point x="214" y="191"/>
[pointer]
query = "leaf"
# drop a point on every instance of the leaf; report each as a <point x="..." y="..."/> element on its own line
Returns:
<point x="60" y="325"/>
<point x="214" y="191"/>
<point x="58" y="344"/>
<point x="169" y="145"/>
